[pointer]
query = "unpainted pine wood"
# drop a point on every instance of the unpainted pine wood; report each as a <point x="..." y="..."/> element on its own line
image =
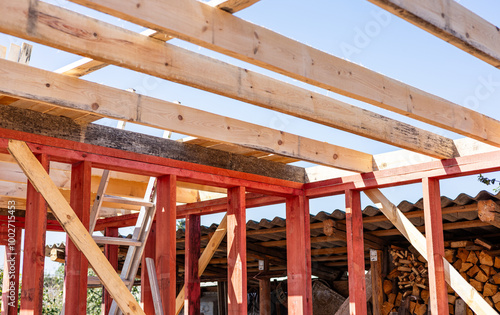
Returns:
<point x="226" y="80"/>
<point x="191" y="274"/>
<point x="34" y="246"/>
<point x="435" y="245"/>
<point x="72" y="225"/>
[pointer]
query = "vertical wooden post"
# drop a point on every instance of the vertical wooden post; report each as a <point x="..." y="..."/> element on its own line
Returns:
<point x="75" y="282"/>
<point x="435" y="246"/>
<point x="236" y="252"/>
<point x="165" y="240"/>
<point x="298" y="255"/>
<point x="376" y="257"/>
<point x="11" y="271"/>
<point x="265" y="296"/>
<point x="111" y="252"/>
<point x="191" y="276"/>
<point x="34" y="248"/>
<point x="222" y="297"/>
<point x="355" y="253"/>
<point x="149" y="252"/>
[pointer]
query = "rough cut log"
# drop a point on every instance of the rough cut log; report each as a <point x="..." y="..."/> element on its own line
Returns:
<point x="485" y="258"/>
<point x="488" y="211"/>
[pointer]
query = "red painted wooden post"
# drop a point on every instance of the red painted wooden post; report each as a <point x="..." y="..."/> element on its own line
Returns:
<point x="355" y="253"/>
<point x="34" y="248"/>
<point x="298" y="255"/>
<point x="236" y="252"/>
<point x="75" y="281"/>
<point x="191" y="277"/>
<point x="435" y="246"/>
<point x="149" y="252"/>
<point x="265" y="296"/>
<point x="11" y="270"/>
<point x="111" y="252"/>
<point x="165" y="241"/>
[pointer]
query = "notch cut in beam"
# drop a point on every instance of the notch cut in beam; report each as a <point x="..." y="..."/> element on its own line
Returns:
<point x="73" y="227"/>
<point x="182" y="66"/>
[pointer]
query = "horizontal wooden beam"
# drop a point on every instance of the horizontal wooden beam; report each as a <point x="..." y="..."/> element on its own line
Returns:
<point x="451" y="22"/>
<point x="211" y="28"/>
<point x="182" y="66"/>
<point x="113" y="103"/>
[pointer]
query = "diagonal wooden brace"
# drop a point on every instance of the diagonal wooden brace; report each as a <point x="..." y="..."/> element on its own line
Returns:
<point x="72" y="225"/>
<point x="417" y="239"/>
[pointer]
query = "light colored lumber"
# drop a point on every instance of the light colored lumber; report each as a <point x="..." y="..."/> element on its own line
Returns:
<point x="451" y="22"/>
<point x="205" y="258"/>
<point x="231" y="6"/>
<point x="190" y="20"/>
<point x="153" y="282"/>
<point x="182" y="66"/>
<point x="116" y="241"/>
<point x="73" y="227"/>
<point x="417" y="240"/>
<point x="3" y="51"/>
<point x="114" y="103"/>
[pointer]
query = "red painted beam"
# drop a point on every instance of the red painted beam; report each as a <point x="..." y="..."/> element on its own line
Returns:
<point x="118" y="160"/>
<point x="236" y="252"/>
<point x="75" y="281"/>
<point x="111" y="253"/>
<point x="191" y="276"/>
<point x="52" y="225"/>
<point x="11" y="270"/>
<point x="355" y="253"/>
<point x="435" y="246"/>
<point x="298" y="255"/>
<point x="149" y="252"/>
<point x="34" y="248"/>
<point x="166" y="240"/>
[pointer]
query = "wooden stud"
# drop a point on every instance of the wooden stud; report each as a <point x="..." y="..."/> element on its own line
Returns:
<point x="40" y="179"/>
<point x="298" y="255"/>
<point x="149" y="252"/>
<point x="34" y="247"/>
<point x="76" y="267"/>
<point x="236" y="252"/>
<point x="165" y="241"/>
<point x="11" y="270"/>
<point x="376" y="257"/>
<point x="265" y="296"/>
<point x="435" y="245"/>
<point x="111" y="253"/>
<point x="191" y="276"/>
<point x="355" y="253"/>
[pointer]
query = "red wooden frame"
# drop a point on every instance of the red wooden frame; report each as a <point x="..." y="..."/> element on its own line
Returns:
<point x="191" y="276"/>
<point x="149" y="252"/>
<point x="12" y="262"/>
<point x="111" y="253"/>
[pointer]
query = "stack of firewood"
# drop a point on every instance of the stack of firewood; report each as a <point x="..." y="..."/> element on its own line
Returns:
<point x="406" y="286"/>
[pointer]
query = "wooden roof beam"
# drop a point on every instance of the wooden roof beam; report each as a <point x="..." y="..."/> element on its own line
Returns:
<point x="203" y="25"/>
<point x="451" y="22"/>
<point x="182" y="66"/>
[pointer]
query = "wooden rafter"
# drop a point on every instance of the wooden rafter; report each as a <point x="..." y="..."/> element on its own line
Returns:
<point x="452" y="22"/>
<point x="182" y="66"/>
<point x="251" y="43"/>
<point x="72" y="225"/>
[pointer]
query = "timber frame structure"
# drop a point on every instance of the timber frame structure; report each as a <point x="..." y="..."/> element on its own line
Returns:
<point x="46" y="128"/>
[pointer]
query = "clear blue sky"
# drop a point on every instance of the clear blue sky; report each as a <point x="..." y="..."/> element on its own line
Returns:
<point x="355" y="30"/>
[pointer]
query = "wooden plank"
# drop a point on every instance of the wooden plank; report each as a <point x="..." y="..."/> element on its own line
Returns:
<point x="191" y="275"/>
<point x="236" y="252"/>
<point x="72" y="225"/>
<point x="257" y="45"/>
<point x="11" y="270"/>
<point x="14" y="52"/>
<point x="298" y="253"/>
<point x="451" y="22"/>
<point x="355" y="253"/>
<point x="119" y="104"/>
<point x="165" y="241"/>
<point x="155" y="288"/>
<point x="76" y="266"/>
<point x="96" y="206"/>
<point x="231" y="6"/>
<point x="116" y="241"/>
<point x="149" y="252"/>
<point x="205" y="258"/>
<point x="417" y="240"/>
<point x="34" y="247"/>
<point x="3" y="52"/>
<point x="376" y="258"/>
<point x="230" y="81"/>
<point x="111" y="253"/>
<point x="435" y="245"/>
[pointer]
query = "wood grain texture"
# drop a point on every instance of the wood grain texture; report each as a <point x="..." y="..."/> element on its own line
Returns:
<point x="417" y="240"/>
<point x="182" y="66"/>
<point x="72" y="225"/>
<point x="191" y="274"/>
<point x="111" y="253"/>
<point x="149" y="252"/>
<point x="451" y="22"/>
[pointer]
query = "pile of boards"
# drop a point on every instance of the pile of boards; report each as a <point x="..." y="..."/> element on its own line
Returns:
<point x="407" y="286"/>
